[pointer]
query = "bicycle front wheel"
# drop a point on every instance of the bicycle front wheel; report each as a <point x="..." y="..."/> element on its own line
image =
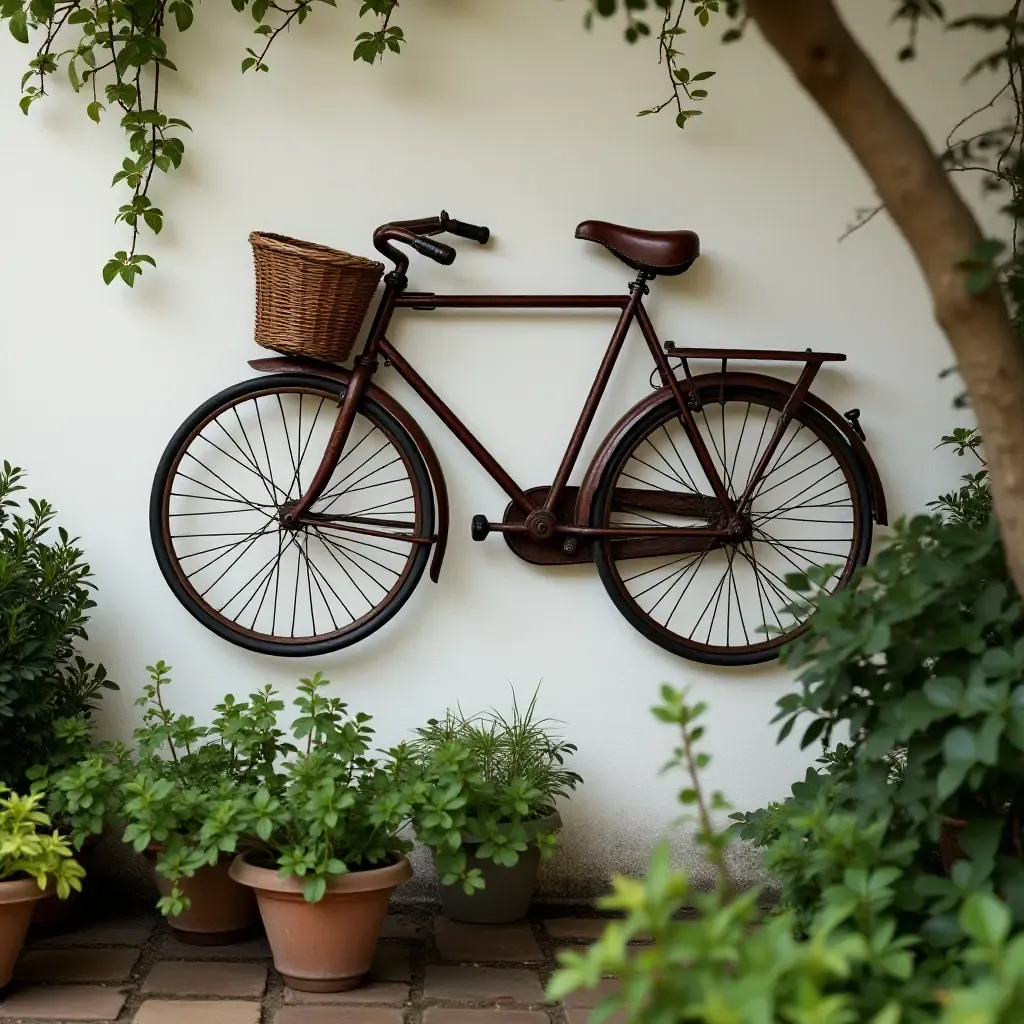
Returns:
<point x="728" y="602"/>
<point x="215" y="518"/>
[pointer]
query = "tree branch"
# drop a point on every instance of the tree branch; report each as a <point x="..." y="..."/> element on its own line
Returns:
<point x="934" y="219"/>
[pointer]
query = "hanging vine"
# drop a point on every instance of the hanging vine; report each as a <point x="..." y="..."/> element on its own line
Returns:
<point x="115" y="52"/>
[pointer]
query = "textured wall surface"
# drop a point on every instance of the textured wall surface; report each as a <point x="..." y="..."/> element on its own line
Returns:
<point x="506" y="114"/>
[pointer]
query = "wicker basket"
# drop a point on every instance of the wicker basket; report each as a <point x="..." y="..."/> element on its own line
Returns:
<point x="310" y="300"/>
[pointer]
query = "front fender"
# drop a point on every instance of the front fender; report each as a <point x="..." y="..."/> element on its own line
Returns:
<point x="283" y="364"/>
<point x="604" y="453"/>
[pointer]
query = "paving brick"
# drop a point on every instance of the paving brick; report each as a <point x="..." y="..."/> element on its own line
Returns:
<point x="194" y="1011"/>
<point x="483" y="985"/>
<point x="102" y="933"/>
<point x="492" y="1015"/>
<point x="73" y="965"/>
<point x="253" y="949"/>
<point x="585" y="998"/>
<point x="476" y="942"/>
<point x="402" y="926"/>
<point x="337" y="1015"/>
<point x="63" y="1002"/>
<point x="374" y="992"/>
<point x="228" y="981"/>
<point x="584" y="929"/>
<point x="391" y="963"/>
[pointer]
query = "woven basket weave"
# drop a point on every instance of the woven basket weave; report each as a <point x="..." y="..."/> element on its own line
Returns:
<point x="310" y="300"/>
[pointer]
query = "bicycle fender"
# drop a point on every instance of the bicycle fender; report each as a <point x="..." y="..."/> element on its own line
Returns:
<point x="287" y="364"/>
<point x="602" y="457"/>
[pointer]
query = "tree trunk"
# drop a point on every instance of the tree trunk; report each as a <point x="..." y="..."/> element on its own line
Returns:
<point x="922" y="201"/>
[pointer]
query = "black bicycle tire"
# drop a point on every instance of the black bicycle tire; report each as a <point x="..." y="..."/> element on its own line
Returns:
<point x="269" y="647"/>
<point x="836" y="443"/>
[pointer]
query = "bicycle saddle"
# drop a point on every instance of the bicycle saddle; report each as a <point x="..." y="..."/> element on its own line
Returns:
<point x="654" y="252"/>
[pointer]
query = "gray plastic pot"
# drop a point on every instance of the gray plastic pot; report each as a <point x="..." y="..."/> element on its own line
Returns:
<point x="508" y="891"/>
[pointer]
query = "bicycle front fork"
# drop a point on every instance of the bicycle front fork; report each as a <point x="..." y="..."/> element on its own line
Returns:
<point x="291" y="515"/>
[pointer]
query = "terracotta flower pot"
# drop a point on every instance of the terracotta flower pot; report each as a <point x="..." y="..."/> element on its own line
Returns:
<point x="508" y="891"/>
<point x="17" y="901"/>
<point x="326" y="946"/>
<point x="221" y="911"/>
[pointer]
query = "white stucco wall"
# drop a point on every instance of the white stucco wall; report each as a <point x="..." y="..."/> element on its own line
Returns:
<point x="506" y="114"/>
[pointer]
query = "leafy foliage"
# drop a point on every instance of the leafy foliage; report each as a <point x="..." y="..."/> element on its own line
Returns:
<point x="116" y="53"/>
<point x="28" y="849"/>
<point x="837" y="952"/>
<point x="47" y="692"/>
<point x="492" y="775"/>
<point x="900" y="857"/>
<point x="316" y="803"/>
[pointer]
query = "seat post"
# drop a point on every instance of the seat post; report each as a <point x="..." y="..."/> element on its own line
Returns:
<point x="642" y="278"/>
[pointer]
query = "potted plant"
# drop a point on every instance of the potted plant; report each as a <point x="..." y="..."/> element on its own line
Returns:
<point x="33" y="861"/>
<point x="330" y="853"/>
<point x="185" y="799"/>
<point x="495" y="780"/>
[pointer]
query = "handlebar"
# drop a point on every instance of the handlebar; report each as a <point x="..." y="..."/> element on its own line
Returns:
<point x="416" y="234"/>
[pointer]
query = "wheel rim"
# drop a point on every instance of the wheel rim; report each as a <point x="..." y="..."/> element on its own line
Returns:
<point x="221" y="504"/>
<point x="804" y="514"/>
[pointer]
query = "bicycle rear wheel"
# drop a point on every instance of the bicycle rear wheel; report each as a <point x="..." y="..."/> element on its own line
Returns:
<point x="726" y="603"/>
<point x="215" y="518"/>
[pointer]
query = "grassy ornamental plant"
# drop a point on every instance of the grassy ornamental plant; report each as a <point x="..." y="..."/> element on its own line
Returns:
<point x="490" y="775"/>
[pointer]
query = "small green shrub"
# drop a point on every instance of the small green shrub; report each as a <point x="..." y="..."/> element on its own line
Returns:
<point x="47" y="692"/>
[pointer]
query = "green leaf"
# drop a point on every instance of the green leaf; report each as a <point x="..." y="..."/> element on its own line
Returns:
<point x="93" y="110"/>
<point x="19" y="26"/>
<point x="945" y="692"/>
<point x="985" y="918"/>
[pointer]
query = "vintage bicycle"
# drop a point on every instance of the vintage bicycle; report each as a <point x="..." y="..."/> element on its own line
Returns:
<point x="294" y="514"/>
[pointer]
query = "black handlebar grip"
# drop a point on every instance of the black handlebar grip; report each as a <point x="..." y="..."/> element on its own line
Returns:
<point x="437" y="251"/>
<point x="464" y="230"/>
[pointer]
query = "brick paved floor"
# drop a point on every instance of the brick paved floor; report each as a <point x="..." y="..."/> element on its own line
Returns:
<point x="427" y="970"/>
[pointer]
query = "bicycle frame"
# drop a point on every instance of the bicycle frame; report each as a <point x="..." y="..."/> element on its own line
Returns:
<point x="540" y="520"/>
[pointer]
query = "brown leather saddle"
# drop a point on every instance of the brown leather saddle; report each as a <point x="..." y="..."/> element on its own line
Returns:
<point x="653" y="252"/>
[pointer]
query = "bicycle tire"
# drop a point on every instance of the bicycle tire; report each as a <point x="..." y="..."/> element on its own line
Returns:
<point x="854" y="476"/>
<point x="168" y="558"/>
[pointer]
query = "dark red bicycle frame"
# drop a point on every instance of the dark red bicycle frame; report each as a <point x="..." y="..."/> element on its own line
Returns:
<point x="540" y="519"/>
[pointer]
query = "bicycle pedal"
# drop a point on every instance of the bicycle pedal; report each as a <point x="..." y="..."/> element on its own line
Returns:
<point x="481" y="527"/>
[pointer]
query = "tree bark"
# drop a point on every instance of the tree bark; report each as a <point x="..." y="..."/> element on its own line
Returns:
<point x="812" y="39"/>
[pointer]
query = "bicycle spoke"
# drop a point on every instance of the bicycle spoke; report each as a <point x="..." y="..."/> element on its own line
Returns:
<point x="245" y="465"/>
<point x="351" y="556"/>
<point x="682" y="593"/>
<point x="682" y="463"/>
<point x="739" y="443"/>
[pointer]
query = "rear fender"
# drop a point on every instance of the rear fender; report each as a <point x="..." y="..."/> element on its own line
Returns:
<point x="282" y="364"/>
<point x="603" y="457"/>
